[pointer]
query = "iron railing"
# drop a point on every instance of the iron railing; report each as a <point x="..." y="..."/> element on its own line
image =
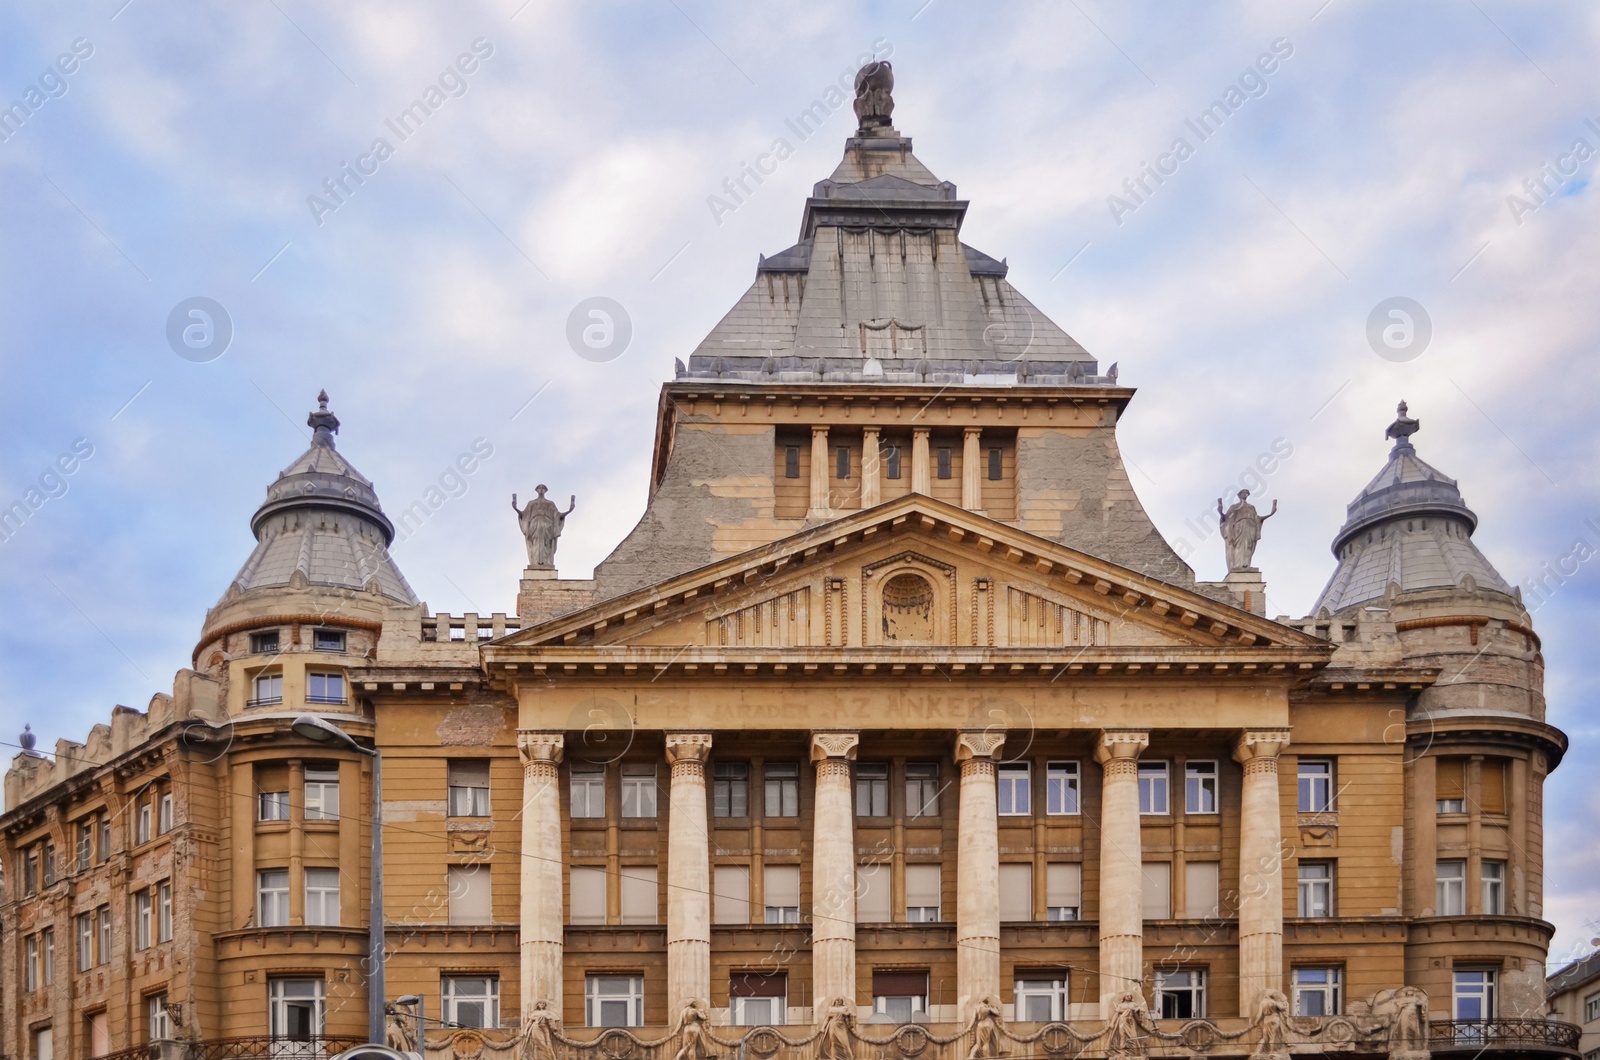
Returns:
<point x="1504" y="1033"/>
<point x="253" y="1047"/>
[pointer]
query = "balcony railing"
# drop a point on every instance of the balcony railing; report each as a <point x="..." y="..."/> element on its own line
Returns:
<point x="256" y="1047"/>
<point x="1539" y="1034"/>
<point x="264" y="701"/>
<point x="330" y="697"/>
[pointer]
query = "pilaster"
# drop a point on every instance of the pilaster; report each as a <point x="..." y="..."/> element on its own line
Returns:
<point x="977" y="872"/>
<point x="1261" y="857"/>
<point x="833" y="876"/>
<point x="688" y="872"/>
<point x="543" y="907"/>
<point x="1121" y="866"/>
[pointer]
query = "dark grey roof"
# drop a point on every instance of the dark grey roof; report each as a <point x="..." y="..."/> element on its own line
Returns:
<point x="1577" y="973"/>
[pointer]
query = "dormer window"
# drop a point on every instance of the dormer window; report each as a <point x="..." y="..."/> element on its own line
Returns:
<point x="327" y="640"/>
<point x="264" y="643"/>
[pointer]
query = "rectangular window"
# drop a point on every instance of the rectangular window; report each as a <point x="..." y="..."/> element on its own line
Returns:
<point x="640" y="903"/>
<point x="1181" y="995"/>
<point x="158" y="1023"/>
<point x="842" y="462"/>
<point x="1041" y="997"/>
<point x="1316" y="785"/>
<point x="322" y="794"/>
<point x="272" y="898"/>
<point x="295" y="1010"/>
<point x="943" y="455"/>
<point x="874" y="894"/>
<point x="1591" y="1008"/>
<point x="264" y="643"/>
<point x="1063" y="890"/>
<point x="922" y="789"/>
<point x="587" y="785"/>
<point x="471" y="1000"/>
<point x="1450" y="785"/>
<point x="1494" y="888"/>
<point x="1316" y="888"/>
<point x="30" y="870"/>
<point x="47" y="941"/>
<point x="1317" y="992"/>
<point x="872" y="789"/>
<point x="146" y="817"/>
<point x="1154" y="795"/>
<point x="322" y="897"/>
<point x="782" y="781"/>
<point x="85" y="933"/>
<point x="1492" y="786"/>
<point x="899" y="997"/>
<point x="97" y="1029"/>
<point x="103" y="853"/>
<point x="471" y="894"/>
<point x="1157" y="890"/>
<point x="1016" y="892"/>
<point x="267" y="690"/>
<point x="614" y="1000"/>
<point x="273" y="806"/>
<point x="996" y="464"/>
<point x="327" y="640"/>
<point x="164" y="814"/>
<point x="143" y="919"/>
<point x="1475" y="994"/>
<point x="891" y="460"/>
<point x="730" y="789"/>
<point x="103" y="927"/>
<point x="467" y="781"/>
<point x="1450" y="896"/>
<point x="1202" y="889"/>
<point x="588" y="895"/>
<point x="639" y="789"/>
<point x="164" y="911"/>
<point x="730" y="894"/>
<point x="324" y="687"/>
<point x="923" y="896"/>
<point x="1061" y="788"/>
<point x="47" y="859"/>
<point x="791" y="461"/>
<point x="1200" y="787"/>
<point x="44" y="1047"/>
<point x="30" y="963"/>
<point x="759" y="999"/>
<point x="1013" y="790"/>
<point x="85" y="844"/>
<point x="780" y="894"/>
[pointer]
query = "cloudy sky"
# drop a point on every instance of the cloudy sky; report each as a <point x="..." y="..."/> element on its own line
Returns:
<point x="1396" y="150"/>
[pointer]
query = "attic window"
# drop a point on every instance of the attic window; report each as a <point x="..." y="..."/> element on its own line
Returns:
<point x="944" y="462"/>
<point x="843" y="469"/>
<point x="891" y="458"/>
<point x="791" y="462"/>
<point x="907" y="608"/>
<point x="328" y="640"/>
<point x="995" y="465"/>
<point x="264" y="643"/>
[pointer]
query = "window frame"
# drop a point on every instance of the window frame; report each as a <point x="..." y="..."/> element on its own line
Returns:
<point x="266" y="642"/>
<point x="1488" y="993"/>
<point x="1308" y="783"/>
<point x="324" y="894"/>
<point x="872" y="778"/>
<point x="777" y="778"/>
<point x="268" y="898"/>
<point x="1054" y="986"/>
<point x="30" y="963"/>
<point x="273" y="682"/>
<point x="325" y="783"/>
<point x="1202" y="777"/>
<point x="1158" y="774"/>
<point x="730" y="789"/>
<point x="336" y="640"/>
<point x="997" y="463"/>
<point x="892" y="462"/>
<point x="279" y="803"/>
<point x="1492" y="888"/>
<point x="1010" y="779"/>
<point x="329" y="679"/>
<point x="943" y="462"/>
<point x="643" y="786"/>
<point x="164" y="813"/>
<point x="466" y="800"/>
<point x="1308" y="888"/>
<point x="922" y="789"/>
<point x="164" y="911"/>
<point x="841" y="462"/>
<point x="47" y="951"/>
<point x="146" y="821"/>
<point x="280" y="1004"/>
<point x="450" y="999"/>
<point x="85" y="934"/>
<point x="590" y="780"/>
<point x="595" y="1000"/>
<point x="143" y="919"/>
<point x="791" y="461"/>
<point x="102" y="924"/>
<point x="158" y="1018"/>
<point x="1450" y="892"/>
<point x="1195" y="989"/>
<point x="1331" y="990"/>
<point x="1069" y="773"/>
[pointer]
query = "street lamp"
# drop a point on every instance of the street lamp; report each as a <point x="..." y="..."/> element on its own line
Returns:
<point x="311" y="727"/>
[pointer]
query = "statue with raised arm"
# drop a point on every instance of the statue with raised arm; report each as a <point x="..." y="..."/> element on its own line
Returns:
<point x="1272" y="1018"/>
<point x="1241" y="530"/>
<point x="986" y="1031"/>
<point x="693" y="1042"/>
<point x="541" y="523"/>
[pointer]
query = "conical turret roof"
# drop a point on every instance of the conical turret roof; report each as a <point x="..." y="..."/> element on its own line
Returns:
<point x="322" y="521"/>
<point x="1409" y="528"/>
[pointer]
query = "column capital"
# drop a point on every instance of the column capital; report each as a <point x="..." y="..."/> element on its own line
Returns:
<point x="819" y="430"/>
<point x="535" y="746"/>
<point x="1254" y="744"/>
<point x="688" y="747"/>
<point x="983" y="743"/>
<point x="969" y="432"/>
<point x="1120" y="743"/>
<point x="834" y="744"/>
<point x="921" y="432"/>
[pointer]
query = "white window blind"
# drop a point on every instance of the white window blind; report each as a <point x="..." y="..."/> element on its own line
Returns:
<point x="873" y="894"/>
<point x="1157" y="890"/>
<point x="1016" y="892"/>
<point x="1064" y="890"/>
<point x="922" y="893"/>
<point x="730" y="894"/>
<point x="1201" y="889"/>
<point x="780" y="894"/>
<point x="588" y="895"/>
<point x="471" y="899"/>
<point x="639" y="902"/>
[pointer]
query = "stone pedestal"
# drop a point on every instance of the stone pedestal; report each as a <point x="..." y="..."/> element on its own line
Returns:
<point x="544" y="594"/>
<point x="977" y="873"/>
<point x="1261" y="861"/>
<point x="688" y="872"/>
<point x="833" y="878"/>
<point x="1249" y="588"/>
<point x="1121" y="866"/>
<point x="543" y="907"/>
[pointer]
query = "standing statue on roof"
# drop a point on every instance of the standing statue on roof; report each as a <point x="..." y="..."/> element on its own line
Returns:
<point x="874" y="94"/>
<point x="541" y="523"/>
<point x="1241" y="530"/>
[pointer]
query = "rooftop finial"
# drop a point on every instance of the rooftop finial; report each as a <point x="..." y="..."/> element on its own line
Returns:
<point x="324" y="424"/>
<point x="27" y="739"/>
<point x="1402" y="429"/>
<point x="874" y="96"/>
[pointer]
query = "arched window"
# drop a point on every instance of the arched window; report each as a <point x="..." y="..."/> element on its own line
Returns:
<point x="907" y="608"/>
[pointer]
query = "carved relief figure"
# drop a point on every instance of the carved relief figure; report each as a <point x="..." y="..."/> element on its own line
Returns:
<point x="693" y="1044"/>
<point x="1241" y="530"/>
<point x="986" y="1031"/>
<point x="1272" y="1015"/>
<point x="541" y="523"/>
<point x="835" y="1041"/>
<point x="539" y="1042"/>
<point x="1124" y="1033"/>
<point x="1408" y="1030"/>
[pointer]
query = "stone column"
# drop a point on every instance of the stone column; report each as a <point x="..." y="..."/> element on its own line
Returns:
<point x="871" y="491"/>
<point x="688" y="872"/>
<point x="833" y="873"/>
<point x="977" y="872"/>
<point x="1121" y="866"/>
<point x="819" y="474"/>
<point x="543" y="910"/>
<point x="1260" y="867"/>
<point x="972" y="470"/>
<point x="921" y="479"/>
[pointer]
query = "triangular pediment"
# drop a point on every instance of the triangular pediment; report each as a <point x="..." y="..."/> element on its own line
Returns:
<point x="913" y="576"/>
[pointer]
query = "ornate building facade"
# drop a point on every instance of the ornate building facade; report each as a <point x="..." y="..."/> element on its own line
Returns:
<point x="894" y="709"/>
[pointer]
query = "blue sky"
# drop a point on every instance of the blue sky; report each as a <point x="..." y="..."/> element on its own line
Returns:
<point x="1377" y="160"/>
